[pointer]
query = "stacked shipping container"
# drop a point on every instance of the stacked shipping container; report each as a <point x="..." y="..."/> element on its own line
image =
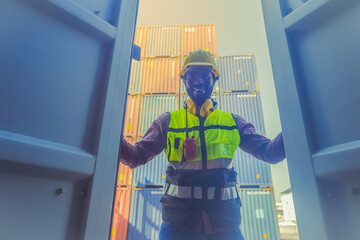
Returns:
<point x="155" y="88"/>
<point x="238" y="73"/>
<point x="258" y="214"/>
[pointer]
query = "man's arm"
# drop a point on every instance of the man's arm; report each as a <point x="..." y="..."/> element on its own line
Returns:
<point x="271" y="151"/>
<point x="152" y="144"/>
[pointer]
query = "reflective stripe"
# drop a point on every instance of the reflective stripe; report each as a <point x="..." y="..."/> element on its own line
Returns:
<point x="228" y="193"/>
<point x="211" y="193"/>
<point x="197" y="165"/>
<point x="179" y="191"/>
<point x="197" y="192"/>
<point x="173" y="191"/>
<point x="185" y="192"/>
<point x="219" y="163"/>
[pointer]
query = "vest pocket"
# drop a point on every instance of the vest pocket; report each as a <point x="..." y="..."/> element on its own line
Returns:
<point x="175" y="145"/>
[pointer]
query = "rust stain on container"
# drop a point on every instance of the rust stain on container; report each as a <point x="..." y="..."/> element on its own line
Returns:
<point x="140" y="39"/>
<point x="198" y="36"/>
<point x="132" y="116"/>
<point x="161" y="75"/>
<point x="121" y="214"/>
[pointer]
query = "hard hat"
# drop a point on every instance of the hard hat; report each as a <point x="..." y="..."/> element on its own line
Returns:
<point x="199" y="58"/>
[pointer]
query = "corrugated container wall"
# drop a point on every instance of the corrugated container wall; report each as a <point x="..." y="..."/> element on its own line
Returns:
<point x="161" y="75"/>
<point x="258" y="214"/>
<point x="132" y="116"/>
<point x="182" y="85"/>
<point x="237" y="73"/>
<point x="151" y="174"/>
<point x="140" y="39"/>
<point x="121" y="214"/>
<point x="136" y="77"/>
<point x="194" y="37"/>
<point x="163" y="41"/>
<point x="247" y="106"/>
<point x="155" y="105"/>
<point x="251" y="171"/>
<point x="145" y="214"/>
<point x="125" y="174"/>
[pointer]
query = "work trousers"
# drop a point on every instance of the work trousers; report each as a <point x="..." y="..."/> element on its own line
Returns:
<point x="168" y="232"/>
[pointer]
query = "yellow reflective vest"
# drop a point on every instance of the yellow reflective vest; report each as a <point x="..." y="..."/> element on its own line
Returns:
<point x="217" y="136"/>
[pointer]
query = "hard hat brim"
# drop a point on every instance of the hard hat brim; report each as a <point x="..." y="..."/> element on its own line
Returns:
<point x="200" y="64"/>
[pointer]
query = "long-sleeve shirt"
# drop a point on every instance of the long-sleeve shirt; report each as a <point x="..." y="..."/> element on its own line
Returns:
<point x="154" y="142"/>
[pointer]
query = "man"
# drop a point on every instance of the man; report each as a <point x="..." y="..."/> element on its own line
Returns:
<point x="200" y="200"/>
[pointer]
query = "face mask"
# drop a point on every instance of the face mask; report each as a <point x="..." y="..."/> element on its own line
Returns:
<point x="199" y="84"/>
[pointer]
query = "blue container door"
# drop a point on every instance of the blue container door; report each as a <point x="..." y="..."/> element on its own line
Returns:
<point x="314" y="48"/>
<point x="64" y="68"/>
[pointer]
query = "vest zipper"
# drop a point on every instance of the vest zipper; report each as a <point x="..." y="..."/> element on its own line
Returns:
<point x="203" y="143"/>
<point x="203" y="154"/>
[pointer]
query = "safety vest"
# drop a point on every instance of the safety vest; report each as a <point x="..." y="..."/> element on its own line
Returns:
<point x="206" y="182"/>
<point x="217" y="136"/>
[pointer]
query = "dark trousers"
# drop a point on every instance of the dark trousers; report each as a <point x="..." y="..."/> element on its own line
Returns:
<point x="168" y="232"/>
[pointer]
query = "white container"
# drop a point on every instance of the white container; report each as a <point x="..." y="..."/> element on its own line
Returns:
<point x="136" y="77"/>
<point x="246" y="105"/>
<point x="153" y="106"/>
<point x="237" y="73"/>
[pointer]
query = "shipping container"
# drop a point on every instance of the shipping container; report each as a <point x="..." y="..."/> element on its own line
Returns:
<point x="182" y="85"/>
<point x="121" y="213"/>
<point x="125" y="174"/>
<point x="161" y="75"/>
<point x="194" y="37"/>
<point x="153" y="106"/>
<point x="63" y="67"/>
<point x="140" y="39"/>
<point x="145" y="214"/>
<point x="314" y="50"/>
<point x="258" y="214"/>
<point x="163" y="41"/>
<point x="237" y="73"/>
<point x="288" y="6"/>
<point x="247" y="105"/>
<point x="132" y="116"/>
<point x="251" y="171"/>
<point x="152" y="173"/>
<point x="101" y="9"/>
<point x="136" y="77"/>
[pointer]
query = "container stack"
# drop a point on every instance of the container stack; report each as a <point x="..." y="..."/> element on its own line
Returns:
<point x="239" y="95"/>
<point x="121" y="213"/>
<point x="155" y="88"/>
<point x="155" y="83"/>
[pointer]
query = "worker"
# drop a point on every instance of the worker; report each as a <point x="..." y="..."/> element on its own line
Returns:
<point x="200" y="196"/>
